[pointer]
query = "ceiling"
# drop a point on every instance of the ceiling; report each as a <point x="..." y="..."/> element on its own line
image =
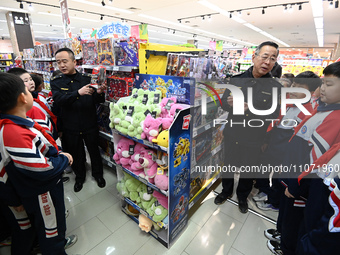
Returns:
<point x="295" y="29"/>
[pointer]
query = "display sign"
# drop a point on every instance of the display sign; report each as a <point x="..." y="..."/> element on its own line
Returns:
<point x="65" y="18"/>
<point x="114" y="29"/>
<point x="219" y="45"/>
<point x="22" y="30"/>
<point x="212" y="45"/>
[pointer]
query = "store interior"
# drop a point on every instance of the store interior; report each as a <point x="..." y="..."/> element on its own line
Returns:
<point x="308" y="36"/>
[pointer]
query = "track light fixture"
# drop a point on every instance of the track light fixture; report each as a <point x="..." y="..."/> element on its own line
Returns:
<point x="300" y="7"/>
<point x="336" y="4"/>
<point x="230" y="14"/>
<point x="174" y="31"/>
<point x="179" y="21"/>
<point x="21" y="5"/>
<point x="331" y="5"/>
<point x="103" y="3"/>
<point x="263" y="11"/>
<point x="101" y="16"/>
<point x="203" y="18"/>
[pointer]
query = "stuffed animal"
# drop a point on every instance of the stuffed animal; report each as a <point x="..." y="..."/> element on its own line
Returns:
<point x="122" y="188"/>
<point x="150" y="127"/>
<point x="135" y="167"/>
<point x="162" y="139"/>
<point x="122" y="155"/>
<point x="157" y="211"/>
<point x="135" y="125"/>
<point x="146" y="160"/>
<point x="166" y="104"/>
<point x="174" y="109"/>
<point x="116" y="115"/>
<point x="132" y="185"/>
<point x="162" y="178"/>
<point x="145" y="199"/>
<point x="162" y="199"/>
<point x="145" y="223"/>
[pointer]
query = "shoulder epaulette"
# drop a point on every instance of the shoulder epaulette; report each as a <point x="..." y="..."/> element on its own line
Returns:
<point x="57" y="77"/>
<point x="87" y="75"/>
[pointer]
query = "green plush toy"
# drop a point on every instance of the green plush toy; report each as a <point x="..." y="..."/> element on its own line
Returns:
<point x="157" y="212"/>
<point x="146" y="200"/>
<point x="116" y="115"/>
<point x="122" y="188"/>
<point x="132" y="185"/>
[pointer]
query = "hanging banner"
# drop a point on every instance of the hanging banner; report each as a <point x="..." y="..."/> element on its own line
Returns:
<point x="219" y="45"/>
<point x="135" y="31"/>
<point x="114" y="29"/>
<point x="65" y="19"/>
<point x="212" y="45"/>
<point x="143" y="32"/>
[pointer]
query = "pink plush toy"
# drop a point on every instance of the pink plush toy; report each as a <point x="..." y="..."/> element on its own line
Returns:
<point x="122" y="155"/>
<point x="166" y="106"/>
<point x="150" y="128"/>
<point x="136" y="168"/>
<point x="174" y="109"/>
<point x="167" y="121"/>
<point x="146" y="160"/>
<point x="162" y="179"/>
<point x="162" y="199"/>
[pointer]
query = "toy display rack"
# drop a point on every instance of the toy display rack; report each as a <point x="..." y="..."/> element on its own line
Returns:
<point x="177" y="215"/>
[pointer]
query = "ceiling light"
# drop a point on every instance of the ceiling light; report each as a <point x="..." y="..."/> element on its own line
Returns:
<point x="209" y="17"/>
<point x="230" y="15"/>
<point x="21" y="5"/>
<point x="263" y="11"/>
<point x="317" y="8"/>
<point x="103" y="3"/>
<point x="30" y="6"/>
<point x="331" y="6"/>
<point x="252" y="27"/>
<point x="174" y="31"/>
<point x="318" y="22"/>
<point x="106" y="7"/>
<point x="101" y="16"/>
<point x="71" y="17"/>
<point x="300" y="7"/>
<point x="239" y="13"/>
<point x="336" y="5"/>
<point x="179" y="21"/>
<point x="285" y="9"/>
<point x="291" y="9"/>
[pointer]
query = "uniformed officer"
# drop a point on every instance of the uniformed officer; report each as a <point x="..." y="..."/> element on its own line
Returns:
<point x="243" y="141"/>
<point x="77" y="99"/>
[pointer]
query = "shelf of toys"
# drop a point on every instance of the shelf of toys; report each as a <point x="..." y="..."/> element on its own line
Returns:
<point x="6" y="61"/>
<point x="156" y="183"/>
<point x="296" y="66"/>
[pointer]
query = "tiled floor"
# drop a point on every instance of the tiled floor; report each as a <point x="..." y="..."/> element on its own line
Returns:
<point x="103" y="229"/>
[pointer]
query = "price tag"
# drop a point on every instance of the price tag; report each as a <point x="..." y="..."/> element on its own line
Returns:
<point x="115" y="68"/>
<point x="194" y="133"/>
<point x="207" y="127"/>
<point x="109" y="164"/>
<point x="191" y="204"/>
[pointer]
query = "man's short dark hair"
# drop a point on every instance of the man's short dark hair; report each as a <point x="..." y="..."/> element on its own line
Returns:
<point x="11" y="86"/>
<point x="332" y="69"/>
<point x="69" y="51"/>
<point x="267" y="43"/>
<point x="37" y="80"/>
<point x="17" y="71"/>
<point x="310" y="79"/>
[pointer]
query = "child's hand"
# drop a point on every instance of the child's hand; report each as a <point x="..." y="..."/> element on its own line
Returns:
<point x="288" y="194"/>
<point x="19" y="208"/>
<point x="69" y="156"/>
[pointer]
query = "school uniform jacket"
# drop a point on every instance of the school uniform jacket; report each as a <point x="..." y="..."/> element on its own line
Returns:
<point x="31" y="163"/>
<point x="314" y="138"/>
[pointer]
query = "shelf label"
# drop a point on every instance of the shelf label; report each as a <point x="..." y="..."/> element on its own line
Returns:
<point x="109" y="164"/>
<point x="191" y="204"/>
<point x="144" y="213"/>
<point x="207" y="127"/>
<point x="148" y="143"/>
<point x="141" y="179"/>
<point x="115" y="68"/>
<point x="194" y="133"/>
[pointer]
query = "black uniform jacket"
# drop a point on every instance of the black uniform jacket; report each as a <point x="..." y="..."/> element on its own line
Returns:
<point x="245" y="134"/>
<point x="78" y="113"/>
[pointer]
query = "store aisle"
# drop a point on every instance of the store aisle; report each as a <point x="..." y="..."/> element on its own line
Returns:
<point x="103" y="229"/>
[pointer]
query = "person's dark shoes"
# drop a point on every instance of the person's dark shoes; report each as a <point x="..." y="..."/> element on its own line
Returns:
<point x="221" y="198"/>
<point x="101" y="182"/>
<point x="243" y="206"/>
<point x="78" y="186"/>
<point x="65" y="179"/>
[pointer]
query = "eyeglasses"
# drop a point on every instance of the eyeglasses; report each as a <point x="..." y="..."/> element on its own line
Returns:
<point x="264" y="58"/>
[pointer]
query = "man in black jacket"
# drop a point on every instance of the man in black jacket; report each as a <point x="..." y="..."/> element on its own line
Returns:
<point x="243" y="141"/>
<point x="73" y="94"/>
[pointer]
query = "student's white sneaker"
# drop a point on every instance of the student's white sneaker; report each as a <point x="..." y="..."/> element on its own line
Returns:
<point x="70" y="241"/>
<point x="261" y="196"/>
